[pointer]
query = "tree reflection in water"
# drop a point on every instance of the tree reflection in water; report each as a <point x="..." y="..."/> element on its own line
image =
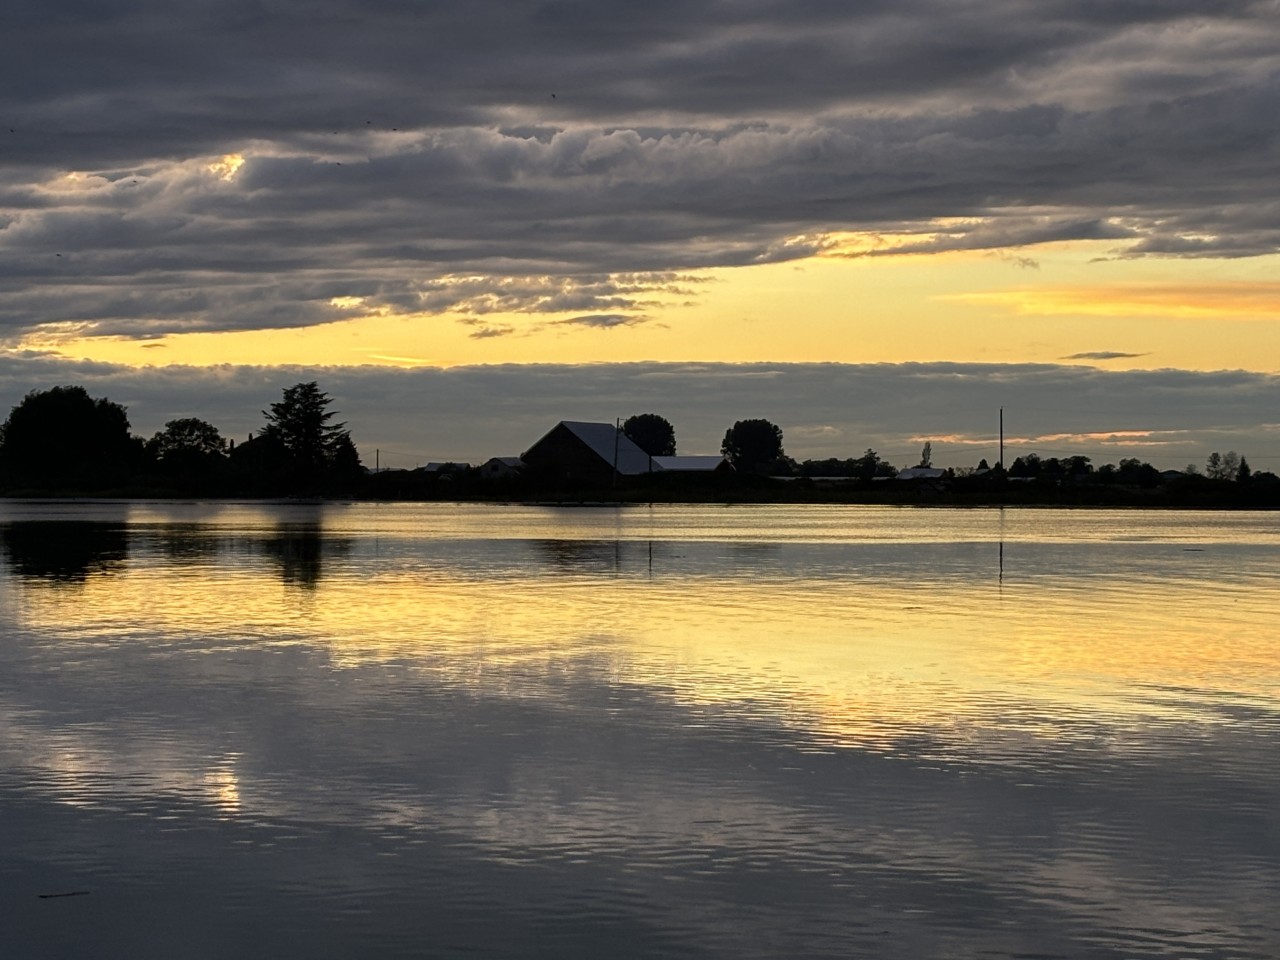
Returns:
<point x="581" y="556"/>
<point x="300" y="551"/>
<point x="63" y="551"/>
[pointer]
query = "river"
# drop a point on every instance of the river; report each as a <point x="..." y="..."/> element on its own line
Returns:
<point x="407" y="730"/>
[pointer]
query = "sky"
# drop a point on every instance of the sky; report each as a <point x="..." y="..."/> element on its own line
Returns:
<point x="874" y="223"/>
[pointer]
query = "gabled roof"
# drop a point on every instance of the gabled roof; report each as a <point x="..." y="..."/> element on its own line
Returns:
<point x="921" y="473"/>
<point x="604" y="440"/>
<point x="699" y="464"/>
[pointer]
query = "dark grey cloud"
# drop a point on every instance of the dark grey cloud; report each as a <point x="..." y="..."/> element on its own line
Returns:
<point x="604" y="321"/>
<point x="1103" y="355"/>
<point x="1168" y="417"/>
<point x="390" y="149"/>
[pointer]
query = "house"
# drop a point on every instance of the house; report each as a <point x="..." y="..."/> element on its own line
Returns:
<point x="575" y="451"/>
<point x="440" y="469"/>
<point x="921" y="473"/>
<point x="497" y="467"/>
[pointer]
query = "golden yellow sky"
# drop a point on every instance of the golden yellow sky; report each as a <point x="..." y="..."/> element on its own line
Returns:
<point x="1069" y="301"/>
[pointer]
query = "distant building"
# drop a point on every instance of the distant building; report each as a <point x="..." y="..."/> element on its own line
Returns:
<point x="580" y="452"/>
<point x="497" y="467"/>
<point x="575" y="451"/>
<point x="698" y="464"/>
<point x="921" y="473"/>
<point x="449" y="466"/>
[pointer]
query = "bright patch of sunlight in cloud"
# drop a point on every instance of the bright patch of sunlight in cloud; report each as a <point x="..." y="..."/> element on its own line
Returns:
<point x="227" y="167"/>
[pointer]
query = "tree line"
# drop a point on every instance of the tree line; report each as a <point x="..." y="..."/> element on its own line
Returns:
<point x="755" y="446"/>
<point x="63" y="440"/>
<point x="752" y="446"/>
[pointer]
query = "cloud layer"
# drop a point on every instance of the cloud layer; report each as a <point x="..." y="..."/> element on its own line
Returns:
<point x="173" y="167"/>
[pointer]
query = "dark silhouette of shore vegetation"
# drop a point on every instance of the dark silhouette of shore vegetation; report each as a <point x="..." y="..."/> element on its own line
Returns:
<point x="61" y="442"/>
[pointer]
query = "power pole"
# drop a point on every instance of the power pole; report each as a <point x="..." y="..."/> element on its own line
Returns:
<point x="617" y="438"/>
<point x="1002" y="438"/>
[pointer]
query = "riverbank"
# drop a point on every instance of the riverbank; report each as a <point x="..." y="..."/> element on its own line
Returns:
<point x="1187" y="492"/>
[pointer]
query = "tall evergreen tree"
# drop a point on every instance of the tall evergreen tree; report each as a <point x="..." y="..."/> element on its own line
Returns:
<point x="300" y="421"/>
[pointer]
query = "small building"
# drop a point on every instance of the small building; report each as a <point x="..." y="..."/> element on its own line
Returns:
<point x="696" y="464"/>
<point x="437" y="468"/>
<point x="497" y="467"/>
<point x="921" y="473"/>
<point x="576" y="451"/>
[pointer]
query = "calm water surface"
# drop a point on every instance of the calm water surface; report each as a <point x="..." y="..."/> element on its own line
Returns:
<point x="377" y="730"/>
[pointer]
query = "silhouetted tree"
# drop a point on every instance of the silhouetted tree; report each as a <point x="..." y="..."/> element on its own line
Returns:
<point x="870" y="465"/>
<point x="1077" y="466"/>
<point x="1245" y="472"/>
<point x="1051" y="469"/>
<point x="652" y="434"/>
<point x="345" y="466"/>
<point x="926" y="455"/>
<point x="64" y="437"/>
<point x="187" y="435"/>
<point x="300" y="421"/>
<point x="188" y="447"/>
<point x="1028" y="465"/>
<point x="830" y="467"/>
<point x="752" y="446"/>
<point x="1222" y="467"/>
<point x="1231" y="464"/>
<point x="1137" y="472"/>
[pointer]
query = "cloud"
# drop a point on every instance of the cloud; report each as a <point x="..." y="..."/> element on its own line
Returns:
<point x="242" y="167"/>
<point x="1103" y="355"/>
<point x="475" y="412"/>
<point x="604" y="321"/>
<point x="549" y="294"/>
<point x="491" y="332"/>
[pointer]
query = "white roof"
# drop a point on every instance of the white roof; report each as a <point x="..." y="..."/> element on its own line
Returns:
<point x="688" y="464"/>
<point x="921" y="473"/>
<point x="607" y="441"/>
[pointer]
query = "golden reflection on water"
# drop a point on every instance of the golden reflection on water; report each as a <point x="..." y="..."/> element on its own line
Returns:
<point x="847" y="648"/>
<point x="291" y="715"/>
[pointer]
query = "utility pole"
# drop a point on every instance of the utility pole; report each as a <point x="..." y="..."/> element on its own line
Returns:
<point x="617" y="438"/>
<point x="1002" y="438"/>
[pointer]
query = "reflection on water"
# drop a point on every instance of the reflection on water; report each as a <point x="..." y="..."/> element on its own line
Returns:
<point x="300" y="551"/>
<point x="69" y="551"/>
<point x="392" y="730"/>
